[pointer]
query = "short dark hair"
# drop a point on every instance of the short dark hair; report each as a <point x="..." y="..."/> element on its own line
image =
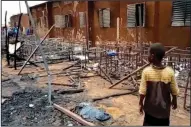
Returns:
<point x="158" y="50"/>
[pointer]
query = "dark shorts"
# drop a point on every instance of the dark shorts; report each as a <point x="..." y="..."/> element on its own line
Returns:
<point x="152" y="121"/>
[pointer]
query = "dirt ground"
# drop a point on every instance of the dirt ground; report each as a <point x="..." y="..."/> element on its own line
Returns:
<point x="123" y="109"/>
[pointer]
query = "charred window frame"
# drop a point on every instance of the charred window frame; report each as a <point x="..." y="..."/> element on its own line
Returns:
<point x="82" y="19"/>
<point x="68" y="20"/>
<point x="104" y="17"/>
<point x="181" y="12"/>
<point x="136" y="15"/>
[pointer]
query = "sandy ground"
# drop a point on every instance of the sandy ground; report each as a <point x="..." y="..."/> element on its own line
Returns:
<point x="124" y="109"/>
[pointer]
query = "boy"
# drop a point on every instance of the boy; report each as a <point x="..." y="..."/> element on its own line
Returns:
<point x="157" y="83"/>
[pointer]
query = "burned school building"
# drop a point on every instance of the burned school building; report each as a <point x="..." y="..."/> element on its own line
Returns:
<point x="167" y="22"/>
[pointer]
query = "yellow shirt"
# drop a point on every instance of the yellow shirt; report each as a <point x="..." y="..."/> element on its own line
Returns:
<point x="165" y="75"/>
<point x="157" y="84"/>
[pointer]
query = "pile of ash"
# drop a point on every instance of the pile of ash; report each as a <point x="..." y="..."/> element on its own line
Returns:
<point x="30" y="107"/>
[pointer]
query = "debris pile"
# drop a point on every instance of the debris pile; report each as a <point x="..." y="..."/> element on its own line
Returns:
<point x="30" y="107"/>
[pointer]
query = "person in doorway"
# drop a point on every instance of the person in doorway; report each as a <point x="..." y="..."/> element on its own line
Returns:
<point x="157" y="85"/>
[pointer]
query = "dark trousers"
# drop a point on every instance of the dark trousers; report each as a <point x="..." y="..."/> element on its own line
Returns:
<point x="152" y="121"/>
